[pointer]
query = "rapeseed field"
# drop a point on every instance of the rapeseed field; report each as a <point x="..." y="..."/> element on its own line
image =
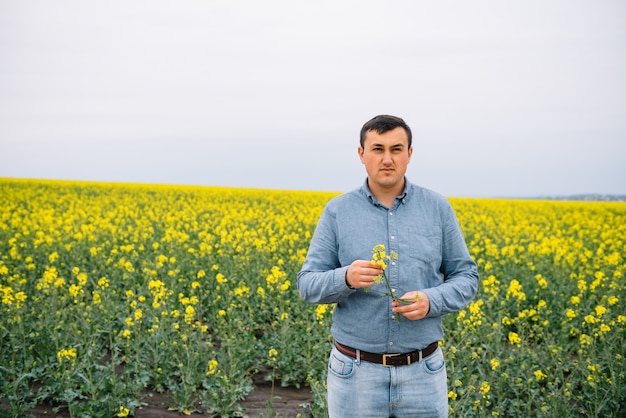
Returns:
<point x="112" y="291"/>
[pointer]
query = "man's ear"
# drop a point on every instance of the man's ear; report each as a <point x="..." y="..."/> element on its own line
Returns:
<point x="360" y="152"/>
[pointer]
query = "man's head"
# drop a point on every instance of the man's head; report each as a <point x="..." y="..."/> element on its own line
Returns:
<point x="384" y="123"/>
<point x="386" y="152"/>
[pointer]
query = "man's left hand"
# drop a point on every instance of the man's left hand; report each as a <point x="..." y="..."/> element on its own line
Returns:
<point x="413" y="311"/>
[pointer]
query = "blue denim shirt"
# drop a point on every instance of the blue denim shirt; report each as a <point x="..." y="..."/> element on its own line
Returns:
<point x="422" y="228"/>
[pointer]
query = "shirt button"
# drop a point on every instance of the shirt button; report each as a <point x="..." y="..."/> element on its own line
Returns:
<point x="390" y="343"/>
<point x="393" y="237"/>
<point x="390" y="213"/>
<point x="393" y="263"/>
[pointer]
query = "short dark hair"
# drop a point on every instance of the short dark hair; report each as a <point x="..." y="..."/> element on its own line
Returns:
<point x="384" y="123"/>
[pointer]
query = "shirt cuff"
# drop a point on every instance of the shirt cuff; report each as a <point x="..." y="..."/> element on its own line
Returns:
<point x="342" y="283"/>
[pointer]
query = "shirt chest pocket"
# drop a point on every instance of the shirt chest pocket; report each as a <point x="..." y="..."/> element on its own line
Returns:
<point x="424" y="245"/>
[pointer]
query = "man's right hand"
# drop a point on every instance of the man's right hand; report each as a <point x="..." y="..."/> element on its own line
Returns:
<point x="362" y="273"/>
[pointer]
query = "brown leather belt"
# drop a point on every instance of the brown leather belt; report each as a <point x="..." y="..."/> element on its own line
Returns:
<point x="400" y="359"/>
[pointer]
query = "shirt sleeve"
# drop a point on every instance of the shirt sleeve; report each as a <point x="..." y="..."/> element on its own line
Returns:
<point x="322" y="278"/>
<point x="460" y="274"/>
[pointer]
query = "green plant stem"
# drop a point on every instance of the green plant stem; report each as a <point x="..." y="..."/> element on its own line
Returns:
<point x="392" y="296"/>
<point x="401" y="300"/>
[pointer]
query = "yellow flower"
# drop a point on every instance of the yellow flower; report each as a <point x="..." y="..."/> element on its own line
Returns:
<point x="484" y="388"/>
<point x="221" y="312"/>
<point x="378" y="249"/>
<point x="541" y="281"/>
<point x="211" y="367"/>
<point x="514" y="338"/>
<point x="539" y="375"/>
<point x="320" y="311"/>
<point x="66" y="354"/>
<point x="378" y="258"/>
<point x="515" y="290"/>
<point x="82" y="279"/>
<point x="20" y="297"/>
<point x="49" y="276"/>
<point x="124" y="412"/>
<point x="242" y="291"/>
<point x="585" y="339"/>
<point x="381" y="263"/>
<point x="75" y="290"/>
<point x="155" y="285"/>
<point x="189" y="313"/>
<point x="272" y="353"/>
<point x="495" y="363"/>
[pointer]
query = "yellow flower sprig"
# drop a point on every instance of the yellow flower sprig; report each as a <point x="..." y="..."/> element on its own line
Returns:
<point x="381" y="258"/>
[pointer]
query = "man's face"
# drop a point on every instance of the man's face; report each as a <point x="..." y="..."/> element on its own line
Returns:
<point x="386" y="157"/>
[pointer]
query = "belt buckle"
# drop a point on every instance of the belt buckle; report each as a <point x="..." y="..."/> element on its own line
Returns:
<point x="386" y="356"/>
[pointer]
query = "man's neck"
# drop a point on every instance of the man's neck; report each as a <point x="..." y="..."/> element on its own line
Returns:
<point x="386" y="196"/>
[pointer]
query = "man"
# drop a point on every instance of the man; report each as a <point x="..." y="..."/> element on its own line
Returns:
<point x="433" y="274"/>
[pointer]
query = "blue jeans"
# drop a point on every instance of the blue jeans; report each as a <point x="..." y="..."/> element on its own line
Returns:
<point x="360" y="389"/>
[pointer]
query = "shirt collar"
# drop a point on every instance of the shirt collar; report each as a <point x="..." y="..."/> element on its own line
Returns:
<point x="367" y="192"/>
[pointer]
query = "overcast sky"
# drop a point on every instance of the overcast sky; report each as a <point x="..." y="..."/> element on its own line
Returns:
<point x="505" y="98"/>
